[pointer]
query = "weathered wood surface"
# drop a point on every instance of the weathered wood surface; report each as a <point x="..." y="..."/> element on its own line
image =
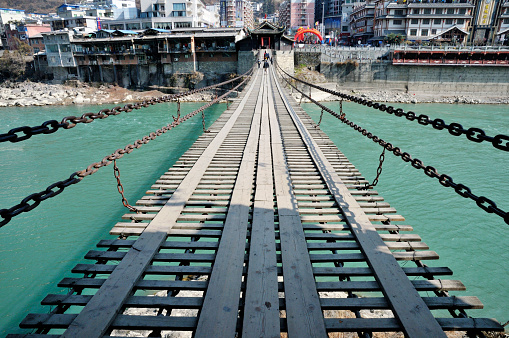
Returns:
<point x="407" y="305"/>
<point x="266" y="209"/>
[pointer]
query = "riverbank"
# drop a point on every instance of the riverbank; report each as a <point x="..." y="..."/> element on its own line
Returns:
<point x="379" y="94"/>
<point x="23" y="94"/>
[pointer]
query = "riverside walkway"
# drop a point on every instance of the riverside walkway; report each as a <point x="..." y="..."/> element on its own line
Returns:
<point x="260" y="229"/>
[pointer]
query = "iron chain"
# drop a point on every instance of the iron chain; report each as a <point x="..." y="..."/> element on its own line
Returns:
<point x="473" y="134"/>
<point x="32" y="201"/>
<point x="483" y="202"/>
<point x="24" y="133"/>
<point x="120" y="188"/>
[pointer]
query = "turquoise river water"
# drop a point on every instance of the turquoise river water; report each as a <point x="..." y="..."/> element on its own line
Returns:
<point x="39" y="248"/>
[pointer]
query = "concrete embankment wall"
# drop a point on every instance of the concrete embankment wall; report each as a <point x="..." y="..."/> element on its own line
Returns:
<point x="440" y="80"/>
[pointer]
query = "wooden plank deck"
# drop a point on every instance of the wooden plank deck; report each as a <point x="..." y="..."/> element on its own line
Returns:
<point x="259" y="229"/>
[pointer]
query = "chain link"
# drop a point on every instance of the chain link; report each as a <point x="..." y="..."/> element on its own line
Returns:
<point x="32" y="201"/>
<point x="378" y="172"/>
<point x="24" y="133"/>
<point x="473" y="134"/>
<point x="120" y="188"/>
<point x="483" y="202"/>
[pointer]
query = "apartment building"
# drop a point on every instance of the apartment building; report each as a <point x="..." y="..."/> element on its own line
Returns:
<point x="24" y="32"/>
<point x="302" y="14"/>
<point x="236" y="13"/>
<point x="502" y="35"/>
<point x="179" y="13"/>
<point x="362" y="22"/>
<point x="427" y="20"/>
<point x="346" y="11"/>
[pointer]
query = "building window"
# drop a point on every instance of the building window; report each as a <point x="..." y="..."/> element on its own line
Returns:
<point x="52" y="48"/>
<point x="437" y="21"/>
<point x="414" y="21"/>
<point x="182" y="24"/>
<point x="344" y="28"/>
<point x="448" y="21"/>
<point x="424" y="32"/>
<point x="460" y="21"/>
<point x="427" y="10"/>
<point x="415" y="11"/>
<point x="425" y="21"/>
<point x="413" y="32"/>
<point x="397" y="22"/>
<point x="178" y="13"/>
<point x="450" y="10"/>
<point x="433" y="32"/>
<point x="179" y="7"/>
<point x="462" y="11"/>
<point x="506" y="21"/>
<point x="438" y="11"/>
<point x="398" y="12"/>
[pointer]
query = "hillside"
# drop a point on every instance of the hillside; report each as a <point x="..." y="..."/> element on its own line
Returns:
<point x="32" y="6"/>
<point x="38" y="6"/>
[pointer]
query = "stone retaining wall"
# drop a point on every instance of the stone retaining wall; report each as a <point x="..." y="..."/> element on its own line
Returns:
<point x="444" y="80"/>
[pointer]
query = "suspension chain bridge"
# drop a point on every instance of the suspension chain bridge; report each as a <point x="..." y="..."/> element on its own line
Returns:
<point x="262" y="227"/>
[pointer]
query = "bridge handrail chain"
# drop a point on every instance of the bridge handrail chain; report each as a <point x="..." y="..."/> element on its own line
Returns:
<point x="49" y="127"/>
<point x="482" y="202"/>
<point x="37" y="198"/>
<point x="473" y="134"/>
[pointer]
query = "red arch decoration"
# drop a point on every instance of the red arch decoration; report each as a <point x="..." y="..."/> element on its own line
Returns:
<point x="299" y="36"/>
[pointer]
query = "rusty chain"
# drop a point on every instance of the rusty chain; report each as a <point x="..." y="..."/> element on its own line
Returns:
<point x="482" y="202"/>
<point x="378" y="172"/>
<point x="120" y="188"/>
<point x="473" y="134"/>
<point x="49" y="127"/>
<point x="32" y="201"/>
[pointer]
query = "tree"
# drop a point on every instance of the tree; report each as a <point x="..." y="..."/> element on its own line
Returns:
<point x="394" y="39"/>
<point x="12" y="65"/>
<point x="22" y="47"/>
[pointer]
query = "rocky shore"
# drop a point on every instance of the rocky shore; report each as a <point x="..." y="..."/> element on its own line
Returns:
<point x="22" y="94"/>
<point x="402" y="97"/>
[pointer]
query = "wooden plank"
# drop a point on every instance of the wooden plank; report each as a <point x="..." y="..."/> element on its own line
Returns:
<point x="261" y="309"/>
<point x="218" y="317"/>
<point x="95" y="319"/>
<point x="407" y="305"/>
<point x="381" y="303"/>
<point x="303" y="313"/>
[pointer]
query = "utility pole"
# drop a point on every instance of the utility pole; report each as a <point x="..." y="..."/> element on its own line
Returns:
<point x="323" y="23"/>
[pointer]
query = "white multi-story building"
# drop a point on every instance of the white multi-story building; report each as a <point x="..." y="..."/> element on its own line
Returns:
<point x="423" y="21"/>
<point x="7" y="15"/>
<point x="236" y="13"/>
<point x="346" y="11"/>
<point x="503" y="24"/>
<point x="361" y="22"/>
<point x="180" y="13"/>
<point x="115" y="3"/>
<point x="59" y="53"/>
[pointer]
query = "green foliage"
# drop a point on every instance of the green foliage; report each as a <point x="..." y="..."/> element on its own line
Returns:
<point x="299" y="69"/>
<point x="394" y="39"/>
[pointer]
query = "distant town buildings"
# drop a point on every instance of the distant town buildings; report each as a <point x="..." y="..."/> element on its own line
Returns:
<point x="297" y="13"/>
<point x="236" y="13"/>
